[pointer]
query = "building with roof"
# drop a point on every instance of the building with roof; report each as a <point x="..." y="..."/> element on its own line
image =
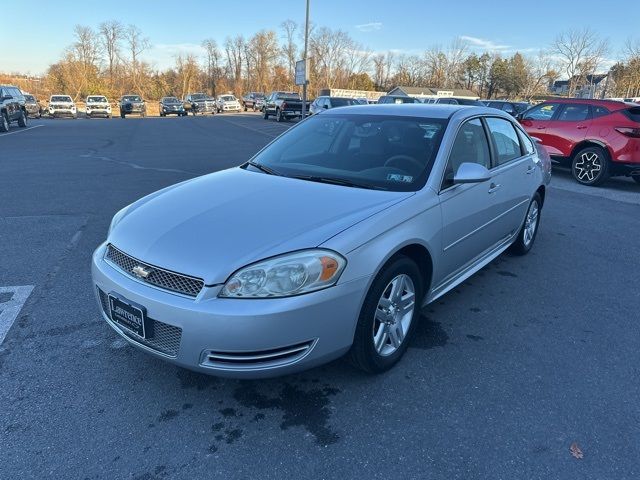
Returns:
<point x="590" y="86"/>
<point x="433" y="92"/>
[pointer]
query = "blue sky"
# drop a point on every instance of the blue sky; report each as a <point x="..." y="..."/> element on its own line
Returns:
<point x="400" y="25"/>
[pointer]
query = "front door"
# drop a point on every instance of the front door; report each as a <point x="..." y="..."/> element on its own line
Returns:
<point x="467" y="209"/>
<point x="536" y="120"/>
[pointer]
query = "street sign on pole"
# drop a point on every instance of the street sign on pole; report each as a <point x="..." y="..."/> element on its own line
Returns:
<point x="301" y="72"/>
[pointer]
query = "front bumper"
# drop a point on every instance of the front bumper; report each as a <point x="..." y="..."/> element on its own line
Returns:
<point x="98" y="111"/>
<point x="232" y="337"/>
<point x="62" y="111"/>
<point x="231" y="108"/>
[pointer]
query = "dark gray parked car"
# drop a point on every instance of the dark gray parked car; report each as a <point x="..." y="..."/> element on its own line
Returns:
<point x="12" y="107"/>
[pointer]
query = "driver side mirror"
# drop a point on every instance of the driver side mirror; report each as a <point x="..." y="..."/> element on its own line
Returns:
<point x="471" y="173"/>
<point x="325" y="106"/>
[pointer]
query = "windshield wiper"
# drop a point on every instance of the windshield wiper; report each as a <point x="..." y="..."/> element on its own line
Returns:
<point x="337" y="181"/>
<point x="264" y="168"/>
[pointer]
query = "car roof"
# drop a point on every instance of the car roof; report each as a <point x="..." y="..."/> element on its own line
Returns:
<point x="427" y="110"/>
<point x="589" y="101"/>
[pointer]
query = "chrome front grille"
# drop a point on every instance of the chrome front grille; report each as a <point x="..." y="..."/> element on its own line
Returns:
<point x="165" y="279"/>
<point x="161" y="337"/>
<point x="257" y="359"/>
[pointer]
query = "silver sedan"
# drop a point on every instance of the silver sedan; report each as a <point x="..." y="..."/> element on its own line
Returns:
<point x="327" y="242"/>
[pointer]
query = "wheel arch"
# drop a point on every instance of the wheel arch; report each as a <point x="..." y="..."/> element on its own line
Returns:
<point x="420" y="255"/>
<point x="589" y="142"/>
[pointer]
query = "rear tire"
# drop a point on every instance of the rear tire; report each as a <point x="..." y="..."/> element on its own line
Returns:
<point x="378" y="345"/>
<point x="4" y="122"/>
<point x="529" y="231"/>
<point x="590" y="166"/>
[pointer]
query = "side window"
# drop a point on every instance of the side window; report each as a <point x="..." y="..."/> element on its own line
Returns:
<point x="574" y="113"/>
<point x="544" y="111"/>
<point x="507" y="107"/>
<point x="505" y="139"/>
<point x="599" y="111"/>
<point x="470" y="146"/>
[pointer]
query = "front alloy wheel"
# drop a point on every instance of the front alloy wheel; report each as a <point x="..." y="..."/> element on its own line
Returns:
<point x="394" y="314"/>
<point x="388" y="316"/>
<point x="590" y="166"/>
<point x="22" y="121"/>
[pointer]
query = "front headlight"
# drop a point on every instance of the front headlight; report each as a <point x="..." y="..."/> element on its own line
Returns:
<point x="290" y="274"/>
<point x="116" y="218"/>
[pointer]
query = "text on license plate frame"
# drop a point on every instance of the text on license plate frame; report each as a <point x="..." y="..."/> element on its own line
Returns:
<point x="126" y="314"/>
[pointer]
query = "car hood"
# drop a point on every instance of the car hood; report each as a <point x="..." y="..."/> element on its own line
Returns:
<point x="211" y="226"/>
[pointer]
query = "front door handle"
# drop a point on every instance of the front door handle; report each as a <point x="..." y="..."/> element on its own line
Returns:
<point x="541" y="128"/>
<point x="494" y="187"/>
<point x="581" y="127"/>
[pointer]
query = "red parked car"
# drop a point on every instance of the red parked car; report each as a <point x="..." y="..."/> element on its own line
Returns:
<point x="596" y="138"/>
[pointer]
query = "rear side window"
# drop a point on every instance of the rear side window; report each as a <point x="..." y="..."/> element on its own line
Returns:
<point x="505" y="140"/>
<point x="599" y="111"/>
<point x="574" y="113"/>
<point x="632" y="113"/>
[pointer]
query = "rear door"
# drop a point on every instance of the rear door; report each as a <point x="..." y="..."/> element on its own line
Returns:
<point x="568" y="128"/>
<point x="513" y="176"/>
<point x="536" y="120"/>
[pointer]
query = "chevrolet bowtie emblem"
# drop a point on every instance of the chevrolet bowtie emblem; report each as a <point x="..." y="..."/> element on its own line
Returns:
<point x="140" y="272"/>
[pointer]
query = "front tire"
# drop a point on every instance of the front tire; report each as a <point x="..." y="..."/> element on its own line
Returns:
<point x="388" y="317"/>
<point x="22" y="121"/>
<point x="590" y="166"/>
<point x="529" y="230"/>
<point x="279" y="117"/>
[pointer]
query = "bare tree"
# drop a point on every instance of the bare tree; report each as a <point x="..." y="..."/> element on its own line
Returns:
<point x="111" y="33"/>
<point x="261" y="53"/>
<point x="136" y="44"/>
<point x="213" y="64"/>
<point x="289" y="48"/>
<point x="234" y="48"/>
<point x="580" y="53"/>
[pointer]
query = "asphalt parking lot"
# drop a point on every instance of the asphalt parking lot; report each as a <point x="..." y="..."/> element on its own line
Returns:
<point x="507" y="371"/>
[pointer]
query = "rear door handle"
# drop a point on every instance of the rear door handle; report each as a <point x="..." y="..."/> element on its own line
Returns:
<point x="530" y="169"/>
<point x="493" y="187"/>
<point x="581" y="127"/>
<point x="541" y="128"/>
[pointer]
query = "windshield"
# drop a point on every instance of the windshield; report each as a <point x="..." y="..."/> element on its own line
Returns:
<point x="228" y="98"/>
<point x="29" y="98"/>
<point x="131" y="98"/>
<point x="342" y="102"/>
<point x="61" y="98"/>
<point x="371" y="151"/>
<point x="170" y="100"/>
<point x="199" y="96"/>
<point x="97" y="100"/>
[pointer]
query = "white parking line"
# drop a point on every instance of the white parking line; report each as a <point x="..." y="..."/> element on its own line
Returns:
<point x="10" y="309"/>
<point x="21" y="130"/>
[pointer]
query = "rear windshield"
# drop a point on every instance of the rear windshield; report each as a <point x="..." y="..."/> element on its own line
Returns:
<point x="342" y="102"/>
<point x="60" y="98"/>
<point x="632" y="113"/>
<point x="288" y="96"/>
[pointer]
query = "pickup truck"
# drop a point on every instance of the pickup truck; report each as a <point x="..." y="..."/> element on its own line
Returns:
<point x="283" y="105"/>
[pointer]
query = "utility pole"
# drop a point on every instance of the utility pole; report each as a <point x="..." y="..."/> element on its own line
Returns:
<point x="306" y="66"/>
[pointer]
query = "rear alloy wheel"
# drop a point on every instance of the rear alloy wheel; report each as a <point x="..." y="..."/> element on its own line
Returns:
<point x="529" y="229"/>
<point x="388" y="317"/>
<point x="22" y="121"/>
<point x="4" y="122"/>
<point x="590" y="166"/>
